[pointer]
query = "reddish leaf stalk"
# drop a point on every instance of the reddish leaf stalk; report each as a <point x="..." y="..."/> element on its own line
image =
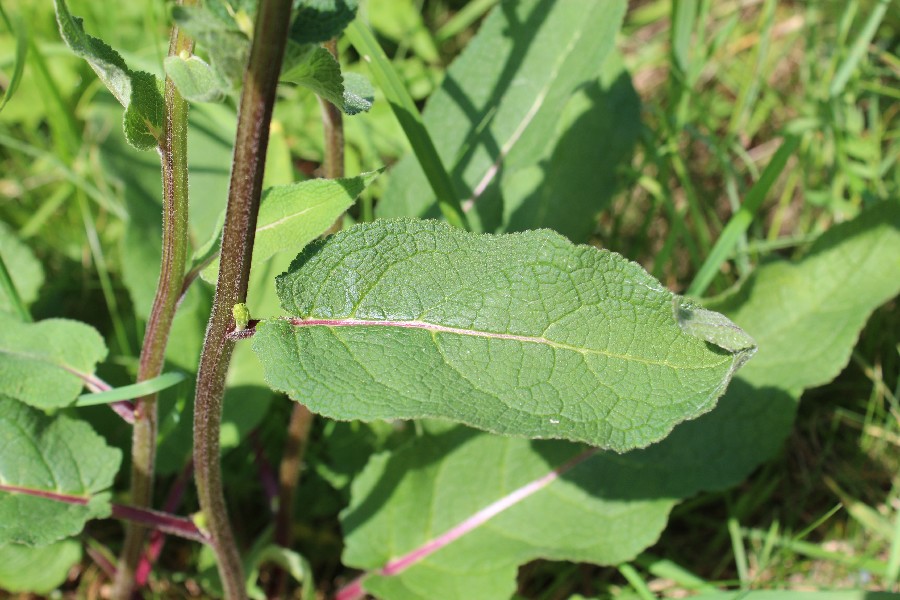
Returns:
<point x="173" y="155"/>
<point x="254" y="116"/>
<point x="154" y="519"/>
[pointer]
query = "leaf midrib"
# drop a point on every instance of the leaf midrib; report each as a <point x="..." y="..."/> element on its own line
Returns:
<point x="434" y="328"/>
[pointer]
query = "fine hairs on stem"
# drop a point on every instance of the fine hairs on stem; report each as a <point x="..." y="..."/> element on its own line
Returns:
<point x="254" y="116"/>
<point x="173" y="155"/>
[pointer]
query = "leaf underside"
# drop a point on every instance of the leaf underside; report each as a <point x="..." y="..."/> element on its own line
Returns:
<point x="523" y="334"/>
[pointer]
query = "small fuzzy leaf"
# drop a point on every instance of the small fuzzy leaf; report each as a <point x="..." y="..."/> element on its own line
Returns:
<point x="142" y="120"/>
<point x="314" y="68"/>
<point x="38" y="570"/>
<point x="195" y="79"/>
<point x="25" y="270"/>
<point x="358" y="94"/>
<point x="523" y="334"/>
<point x="54" y="473"/>
<point x="228" y="47"/>
<point x="46" y="364"/>
<point x="138" y="92"/>
<point x="291" y="216"/>
<point x="317" y="21"/>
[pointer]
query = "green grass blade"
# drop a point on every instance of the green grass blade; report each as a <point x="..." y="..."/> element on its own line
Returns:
<point x="410" y="120"/>
<point x="636" y="581"/>
<point x="842" y="76"/>
<point x="893" y="565"/>
<point x="741" y="220"/>
<point x="129" y="392"/>
<point x="463" y="19"/>
<point x="9" y="287"/>
<point x="17" y="28"/>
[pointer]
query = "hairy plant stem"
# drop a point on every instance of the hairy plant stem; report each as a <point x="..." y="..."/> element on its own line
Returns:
<point x="173" y="156"/>
<point x="301" y="418"/>
<point x="254" y="116"/>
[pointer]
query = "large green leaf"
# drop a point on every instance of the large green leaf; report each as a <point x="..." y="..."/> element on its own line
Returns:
<point x="523" y="334"/>
<point x="494" y="117"/>
<point x="25" y="270"/>
<point x="291" y="216"/>
<point x="47" y="364"/>
<point x="54" y="473"/>
<point x="38" y="570"/>
<point x="713" y="452"/>
<point x="563" y="506"/>
<point x="137" y="91"/>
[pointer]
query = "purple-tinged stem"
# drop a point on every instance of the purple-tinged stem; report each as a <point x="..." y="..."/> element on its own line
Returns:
<point x="158" y="538"/>
<point x="254" y="117"/>
<point x="266" y="472"/>
<point x="173" y="157"/>
<point x="354" y="590"/>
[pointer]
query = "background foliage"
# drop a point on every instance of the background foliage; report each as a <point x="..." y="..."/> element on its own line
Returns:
<point x="655" y="136"/>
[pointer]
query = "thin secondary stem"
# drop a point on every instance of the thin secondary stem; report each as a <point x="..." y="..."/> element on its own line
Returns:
<point x="173" y="156"/>
<point x="155" y="519"/>
<point x="288" y="478"/>
<point x="254" y="116"/>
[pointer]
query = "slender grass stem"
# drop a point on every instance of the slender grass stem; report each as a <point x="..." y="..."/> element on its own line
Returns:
<point x="254" y="116"/>
<point x="173" y="155"/>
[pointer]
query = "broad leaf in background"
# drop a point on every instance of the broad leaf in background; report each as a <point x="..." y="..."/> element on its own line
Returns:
<point x="54" y="457"/>
<point x="47" y="364"/>
<point x="563" y="506"/>
<point x="794" y="595"/>
<point x="38" y="570"/>
<point x="813" y="310"/>
<point x="317" y="21"/>
<point x="195" y="79"/>
<point x="575" y="177"/>
<point x="137" y="91"/>
<point x="713" y="452"/>
<point x="494" y="116"/>
<point x="524" y="334"/>
<point x="291" y="216"/>
<point x="25" y="270"/>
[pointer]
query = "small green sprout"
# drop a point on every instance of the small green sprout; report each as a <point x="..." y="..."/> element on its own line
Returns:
<point x="241" y="316"/>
